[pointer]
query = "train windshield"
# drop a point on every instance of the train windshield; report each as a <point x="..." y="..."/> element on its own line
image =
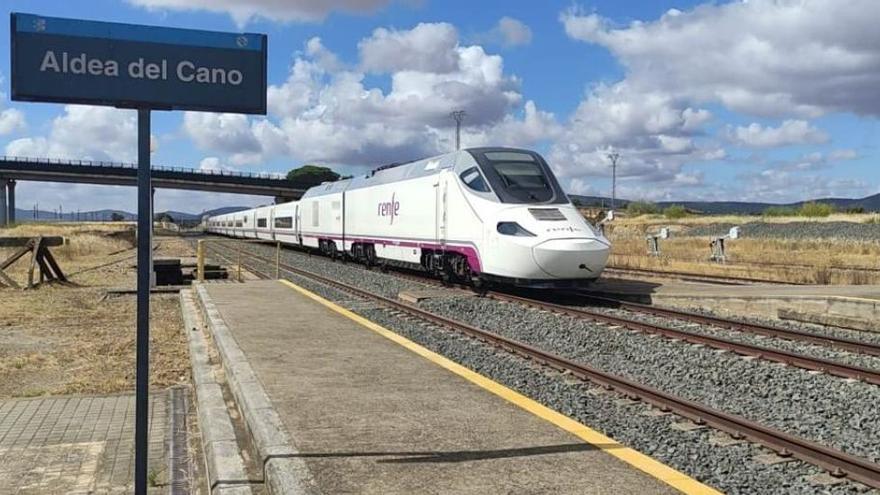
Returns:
<point x="520" y="177"/>
<point x="523" y="179"/>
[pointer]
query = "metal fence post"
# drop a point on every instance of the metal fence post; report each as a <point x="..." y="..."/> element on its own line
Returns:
<point x="278" y="260"/>
<point x="200" y="260"/>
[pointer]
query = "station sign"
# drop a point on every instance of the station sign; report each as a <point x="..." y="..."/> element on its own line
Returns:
<point x="134" y="66"/>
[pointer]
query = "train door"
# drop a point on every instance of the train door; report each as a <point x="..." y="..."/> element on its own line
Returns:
<point x="297" y="225"/>
<point x="440" y="201"/>
<point x="270" y="223"/>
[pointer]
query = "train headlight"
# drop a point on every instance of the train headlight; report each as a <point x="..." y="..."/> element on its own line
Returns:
<point x="513" y="228"/>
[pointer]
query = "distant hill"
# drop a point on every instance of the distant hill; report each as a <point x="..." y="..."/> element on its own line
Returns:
<point x="870" y="203"/>
<point x="51" y="216"/>
<point x="106" y="215"/>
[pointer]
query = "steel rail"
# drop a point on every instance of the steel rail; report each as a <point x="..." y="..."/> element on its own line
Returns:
<point x="764" y="264"/>
<point x="835" y="368"/>
<point x="838" y="463"/>
<point x="780" y="356"/>
<point x="852" y="345"/>
<point x="696" y="277"/>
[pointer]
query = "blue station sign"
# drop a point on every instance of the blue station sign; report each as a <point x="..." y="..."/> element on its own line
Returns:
<point x="134" y="66"/>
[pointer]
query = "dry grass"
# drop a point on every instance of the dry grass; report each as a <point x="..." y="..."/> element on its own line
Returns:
<point x="62" y="340"/>
<point x="87" y="245"/>
<point x="784" y="260"/>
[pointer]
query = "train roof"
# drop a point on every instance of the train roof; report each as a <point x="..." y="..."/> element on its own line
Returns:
<point x="393" y="173"/>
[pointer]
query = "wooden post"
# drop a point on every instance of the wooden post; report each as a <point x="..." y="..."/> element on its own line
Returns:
<point x="40" y="256"/>
<point x="239" y="264"/>
<point x="39" y="244"/>
<point x="200" y="260"/>
<point x="278" y="260"/>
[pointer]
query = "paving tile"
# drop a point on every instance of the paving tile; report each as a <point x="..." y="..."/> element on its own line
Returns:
<point x="75" y="444"/>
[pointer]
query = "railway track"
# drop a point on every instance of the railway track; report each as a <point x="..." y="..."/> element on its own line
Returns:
<point x="850" y="345"/>
<point x="776" y="355"/>
<point x="838" y="463"/>
<point x="693" y="277"/>
<point x="770" y="264"/>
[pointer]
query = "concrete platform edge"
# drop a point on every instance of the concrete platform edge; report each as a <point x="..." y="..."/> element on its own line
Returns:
<point x="225" y="466"/>
<point x="284" y="472"/>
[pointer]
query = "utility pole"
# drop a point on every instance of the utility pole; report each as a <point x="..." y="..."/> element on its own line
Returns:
<point x="613" y="156"/>
<point x="458" y="116"/>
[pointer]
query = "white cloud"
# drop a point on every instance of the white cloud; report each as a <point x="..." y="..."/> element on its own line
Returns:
<point x="764" y="57"/>
<point x="244" y="11"/>
<point x="84" y="132"/>
<point x="325" y="113"/>
<point x="790" y="132"/>
<point x="511" y="32"/>
<point x="778" y="185"/>
<point x="816" y="160"/>
<point x="11" y="120"/>
<point x="653" y="132"/>
<point x="226" y="132"/>
<point x="534" y="126"/>
<point x="843" y="154"/>
<point x="428" y="47"/>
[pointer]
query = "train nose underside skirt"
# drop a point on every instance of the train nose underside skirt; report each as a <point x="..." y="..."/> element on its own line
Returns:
<point x="571" y="258"/>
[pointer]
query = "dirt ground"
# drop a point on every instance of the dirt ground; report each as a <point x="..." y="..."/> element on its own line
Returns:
<point x="61" y="339"/>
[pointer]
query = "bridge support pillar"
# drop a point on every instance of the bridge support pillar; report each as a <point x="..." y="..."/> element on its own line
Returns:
<point x="3" y="213"/>
<point x="10" y="185"/>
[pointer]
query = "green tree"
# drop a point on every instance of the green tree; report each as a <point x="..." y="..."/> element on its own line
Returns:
<point x="813" y="209"/>
<point x="311" y="175"/>
<point x="780" y="211"/>
<point x="675" y="211"/>
<point x="637" y="208"/>
<point x="116" y="217"/>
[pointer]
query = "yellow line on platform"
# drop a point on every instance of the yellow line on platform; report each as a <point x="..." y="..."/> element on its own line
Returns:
<point x="662" y="472"/>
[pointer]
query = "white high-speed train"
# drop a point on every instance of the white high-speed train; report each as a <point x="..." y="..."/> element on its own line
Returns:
<point x="493" y="215"/>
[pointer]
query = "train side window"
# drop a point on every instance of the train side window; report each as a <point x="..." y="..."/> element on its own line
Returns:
<point x="474" y="180"/>
<point x="261" y="223"/>
<point x="283" y="222"/>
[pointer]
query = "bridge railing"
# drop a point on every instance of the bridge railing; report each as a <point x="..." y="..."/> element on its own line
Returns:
<point x="110" y="164"/>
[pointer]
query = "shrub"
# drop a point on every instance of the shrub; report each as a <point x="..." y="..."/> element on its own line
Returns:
<point x="812" y="209"/>
<point x="780" y="211"/>
<point x="675" y="211"/>
<point x="855" y="210"/>
<point x="637" y="208"/>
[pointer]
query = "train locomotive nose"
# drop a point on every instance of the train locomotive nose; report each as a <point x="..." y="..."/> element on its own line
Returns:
<point x="571" y="258"/>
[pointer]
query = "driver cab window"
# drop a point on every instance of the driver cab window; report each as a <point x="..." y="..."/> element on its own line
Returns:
<point x="474" y="180"/>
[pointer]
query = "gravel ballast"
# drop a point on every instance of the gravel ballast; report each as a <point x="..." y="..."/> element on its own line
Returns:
<point x="848" y="231"/>
<point x="820" y="407"/>
<point x="734" y="469"/>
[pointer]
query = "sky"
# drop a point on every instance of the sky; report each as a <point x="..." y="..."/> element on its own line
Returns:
<point x="755" y="100"/>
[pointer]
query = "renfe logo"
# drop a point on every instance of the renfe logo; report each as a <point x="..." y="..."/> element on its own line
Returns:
<point x="389" y="209"/>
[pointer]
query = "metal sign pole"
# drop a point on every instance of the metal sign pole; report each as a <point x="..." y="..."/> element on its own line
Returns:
<point x="145" y="259"/>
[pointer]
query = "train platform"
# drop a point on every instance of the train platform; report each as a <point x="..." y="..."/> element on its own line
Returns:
<point x="849" y="306"/>
<point x="351" y="407"/>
